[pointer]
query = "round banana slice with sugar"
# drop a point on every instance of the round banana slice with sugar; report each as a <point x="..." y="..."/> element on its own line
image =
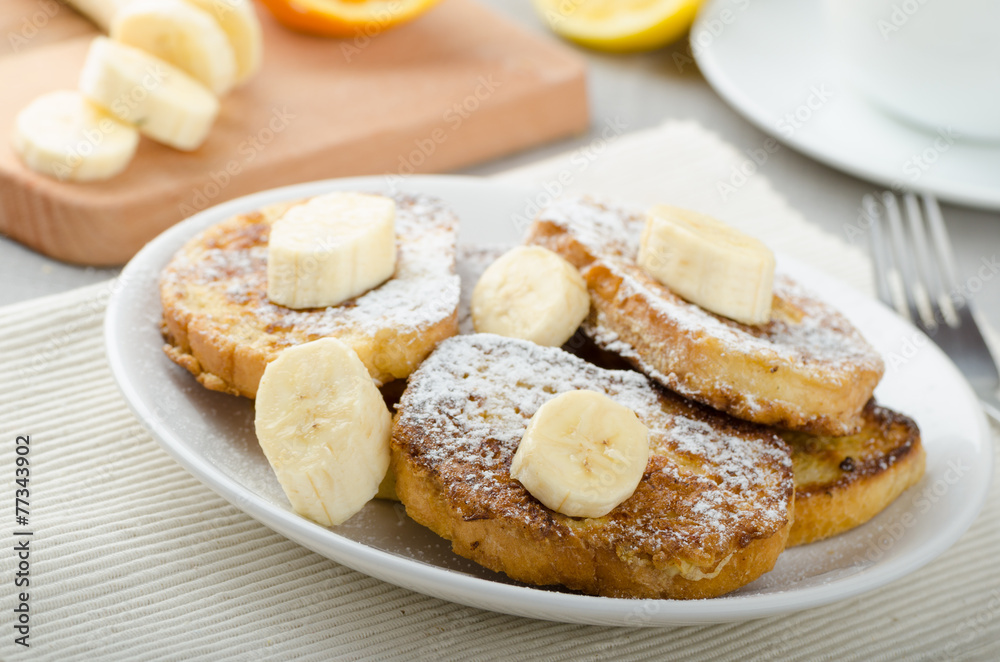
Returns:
<point x="533" y="294"/>
<point x="582" y="455"/>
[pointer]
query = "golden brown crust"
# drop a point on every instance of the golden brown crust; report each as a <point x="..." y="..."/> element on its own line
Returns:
<point x="842" y="482"/>
<point x="527" y="555"/>
<point x="219" y="325"/>
<point x="765" y="388"/>
<point x="834" y="494"/>
<point x="808" y="369"/>
<point x="711" y="513"/>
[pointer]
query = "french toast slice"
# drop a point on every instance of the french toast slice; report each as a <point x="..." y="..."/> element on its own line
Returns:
<point x="219" y="324"/>
<point x="808" y="369"/>
<point x="842" y="482"/>
<point x="711" y="513"/>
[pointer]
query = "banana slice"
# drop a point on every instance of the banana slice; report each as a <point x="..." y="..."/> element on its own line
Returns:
<point x="331" y="249"/>
<point x="709" y="263"/>
<point x="325" y="429"/>
<point x="101" y="12"/>
<point x="582" y="455"/>
<point x="164" y="102"/>
<point x="64" y="135"/>
<point x="530" y="293"/>
<point x="181" y="34"/>
<point x="238" y="20"/>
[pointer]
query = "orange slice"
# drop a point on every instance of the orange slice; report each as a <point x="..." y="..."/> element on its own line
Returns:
<point x="346" y="18"/>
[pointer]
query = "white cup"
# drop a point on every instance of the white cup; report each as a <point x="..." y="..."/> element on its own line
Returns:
<point x="935" y="63"/>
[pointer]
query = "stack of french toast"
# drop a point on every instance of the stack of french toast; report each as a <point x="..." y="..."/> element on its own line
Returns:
<point x="646" y="408"/>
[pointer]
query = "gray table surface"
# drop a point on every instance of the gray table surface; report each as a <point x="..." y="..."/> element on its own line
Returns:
<point x="643" y="91"/>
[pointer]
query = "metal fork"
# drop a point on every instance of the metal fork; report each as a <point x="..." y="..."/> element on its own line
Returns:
<point x="917" y="277"/>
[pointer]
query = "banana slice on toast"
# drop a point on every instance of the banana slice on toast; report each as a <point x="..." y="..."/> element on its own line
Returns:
<point x="219" y="324"/>
<point x="840" y="482"/>
<point x="807" y="369"/>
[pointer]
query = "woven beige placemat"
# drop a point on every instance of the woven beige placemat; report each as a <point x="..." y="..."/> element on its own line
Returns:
<point x="132" y="558"/>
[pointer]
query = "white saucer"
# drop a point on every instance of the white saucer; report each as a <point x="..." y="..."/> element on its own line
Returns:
<point x="769" y="58"/>
<point x="212" y="436"/>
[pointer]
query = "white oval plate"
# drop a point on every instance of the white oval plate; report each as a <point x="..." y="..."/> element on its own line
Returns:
<point x="770" y="60"/>
<point x="212" y="436"/>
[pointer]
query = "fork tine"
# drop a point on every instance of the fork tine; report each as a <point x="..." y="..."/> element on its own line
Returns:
<point x="903" y="273"/>
<point x="960" y="338"/>
<point x="879" y="249"/>
<point x="943" y="261"/>
<point x="942" y="244"/>
<point x="924" y="279"/>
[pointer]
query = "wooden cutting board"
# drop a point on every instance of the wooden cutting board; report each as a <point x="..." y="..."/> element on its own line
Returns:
<point x="458" y="86"/>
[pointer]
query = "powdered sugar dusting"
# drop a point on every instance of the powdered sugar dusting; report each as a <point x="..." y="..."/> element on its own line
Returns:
<point x="610" y="341"/>
<point x="820" y="341"/>
<point x="423" y="290"/>
<point x="467" y="407"/>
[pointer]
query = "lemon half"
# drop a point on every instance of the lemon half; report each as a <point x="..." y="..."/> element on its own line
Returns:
<point x="619" y="26"/>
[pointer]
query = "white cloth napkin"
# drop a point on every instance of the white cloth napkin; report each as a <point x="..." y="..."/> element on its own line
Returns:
<point x="132" y="558"/>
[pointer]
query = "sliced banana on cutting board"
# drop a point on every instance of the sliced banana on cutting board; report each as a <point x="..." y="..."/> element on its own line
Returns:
<point x="238" y="20"/>
<point x="64" y="135"/>
<point x="582" y="455"/>
<point x="325" y="429"/>
<point x="101" y="12"/>
<point x="164" y="102"/>
<point x="530" y="293"/>
<point x="183" y="35"/>
<point x="330" y="249"/>
<point x="167" y="61"/>
<point x="709" y="263"/>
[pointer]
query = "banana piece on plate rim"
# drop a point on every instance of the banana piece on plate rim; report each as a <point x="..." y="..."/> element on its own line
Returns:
<point x="324" y="428"/>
